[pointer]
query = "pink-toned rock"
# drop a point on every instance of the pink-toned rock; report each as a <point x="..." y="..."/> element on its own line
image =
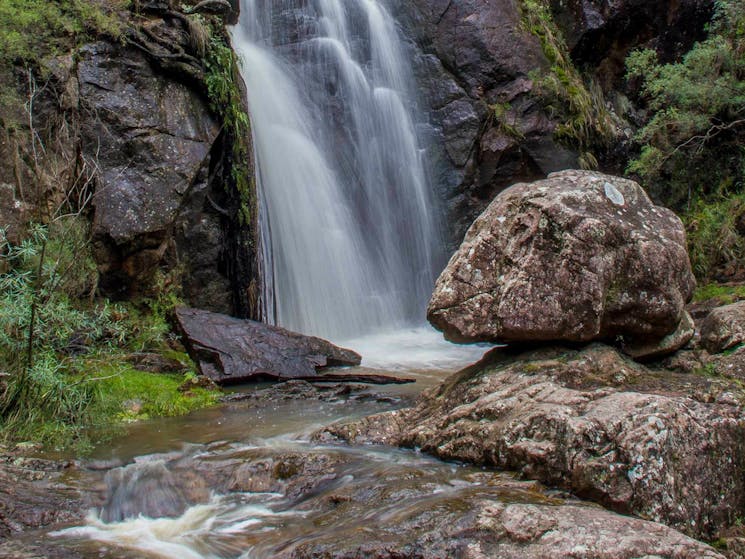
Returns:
<point x="664" y="446"/>
<point x="577" y="257"/>
<point x="724" y="328"/>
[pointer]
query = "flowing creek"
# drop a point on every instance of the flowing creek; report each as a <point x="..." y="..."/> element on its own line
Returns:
<point x="245" y="480"/>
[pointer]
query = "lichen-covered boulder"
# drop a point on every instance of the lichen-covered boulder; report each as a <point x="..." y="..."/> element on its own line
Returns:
<point x="665" y="446"/>
<point x="724" y="328"/>
<point x="576" y="257"/>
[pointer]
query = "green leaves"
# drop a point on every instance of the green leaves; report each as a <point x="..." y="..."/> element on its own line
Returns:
<point x="691" y="141"/>
<point x="586" y="122"/>
<point x="79" y="376"/>
<point x="226" y="100"/>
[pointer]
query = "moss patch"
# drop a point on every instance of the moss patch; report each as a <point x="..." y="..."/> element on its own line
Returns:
<point x="725" y="294"/>
<point x="33" y="29"/>
<point x="126" y="394"/>
<point x="580" y="106"/>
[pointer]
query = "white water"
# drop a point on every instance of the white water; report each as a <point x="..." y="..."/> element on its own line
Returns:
<point x="350" y="233"/>
<point x="256" y="525"/>
<point x="414" y="351"/>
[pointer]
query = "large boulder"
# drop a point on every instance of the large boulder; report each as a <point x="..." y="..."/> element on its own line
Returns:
<point x="230" y="350"/>
<point x="667" y="447"/>
<point x="579" y="256"/>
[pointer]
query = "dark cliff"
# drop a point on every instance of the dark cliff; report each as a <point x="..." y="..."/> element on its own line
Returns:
<point x="129" y="130"/>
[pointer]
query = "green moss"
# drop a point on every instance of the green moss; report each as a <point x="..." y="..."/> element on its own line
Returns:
<point x="76" y="374"/>
<point x="126" y="394"/>
<point x="708" y="371"/>
<point x="585" y="121"/>
<point x="725" y="293"/>
<point x="87" y="399"/>
<point x="226" y="100"/>
<point x="506" y="121"/>
<point x="31" y="30"/>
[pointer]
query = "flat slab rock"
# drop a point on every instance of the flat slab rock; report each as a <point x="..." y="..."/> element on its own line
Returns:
<point x="230" y="350"/>
<point x="650" y="443"/>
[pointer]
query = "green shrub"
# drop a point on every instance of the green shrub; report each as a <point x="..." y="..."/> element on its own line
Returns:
<point x="715" y="235"/>
<point x="64" y="359"/>
<point x="693" y="144"/>
<point x="226" y="100"/>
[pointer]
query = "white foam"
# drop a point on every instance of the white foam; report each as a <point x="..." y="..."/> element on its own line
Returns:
<point x="414" y="349"/>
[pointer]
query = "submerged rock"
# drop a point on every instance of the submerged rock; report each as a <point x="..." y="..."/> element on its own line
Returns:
<point x="302" y="390"/>
<point x="230" y="350"/>
<point x="577" y="257"/>
<point x="666" y="447"/>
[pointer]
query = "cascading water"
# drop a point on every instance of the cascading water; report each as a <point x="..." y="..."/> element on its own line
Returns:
<point x="349" y="230"/>
<point x="351" y="246"/>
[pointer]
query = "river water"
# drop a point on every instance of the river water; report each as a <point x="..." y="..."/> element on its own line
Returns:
<point x="207" y="485"/>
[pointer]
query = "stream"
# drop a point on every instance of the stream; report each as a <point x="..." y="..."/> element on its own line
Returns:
<point x="246" y="480"/>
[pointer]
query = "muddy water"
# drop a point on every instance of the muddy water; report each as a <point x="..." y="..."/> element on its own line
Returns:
<point x="245" y="480"/>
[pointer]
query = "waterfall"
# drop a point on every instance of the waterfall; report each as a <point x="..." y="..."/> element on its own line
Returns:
<point x="349" y="230"/>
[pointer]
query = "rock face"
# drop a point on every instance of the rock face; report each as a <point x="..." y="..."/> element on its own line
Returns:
<point x="472" y="55"/>
<point x="601" y="34"/>
<point x="665" y="447"/>
<point x="724" y="328"/>
<point x="230" y="350"/>
<point x="151" y="138"/>
<point x="131" y="121"/>
<point x="579" y="256"/>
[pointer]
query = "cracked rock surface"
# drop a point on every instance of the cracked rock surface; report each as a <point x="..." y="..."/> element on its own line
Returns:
<point x="663" y="446"/>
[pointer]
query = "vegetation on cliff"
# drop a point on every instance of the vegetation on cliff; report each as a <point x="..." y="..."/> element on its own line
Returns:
<point x="33" y="29"/>
<point x="577" y="102"/>
<point x="692" y="154"/>
<point x="67" y="358"/>
<point x="71" y="360"/>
